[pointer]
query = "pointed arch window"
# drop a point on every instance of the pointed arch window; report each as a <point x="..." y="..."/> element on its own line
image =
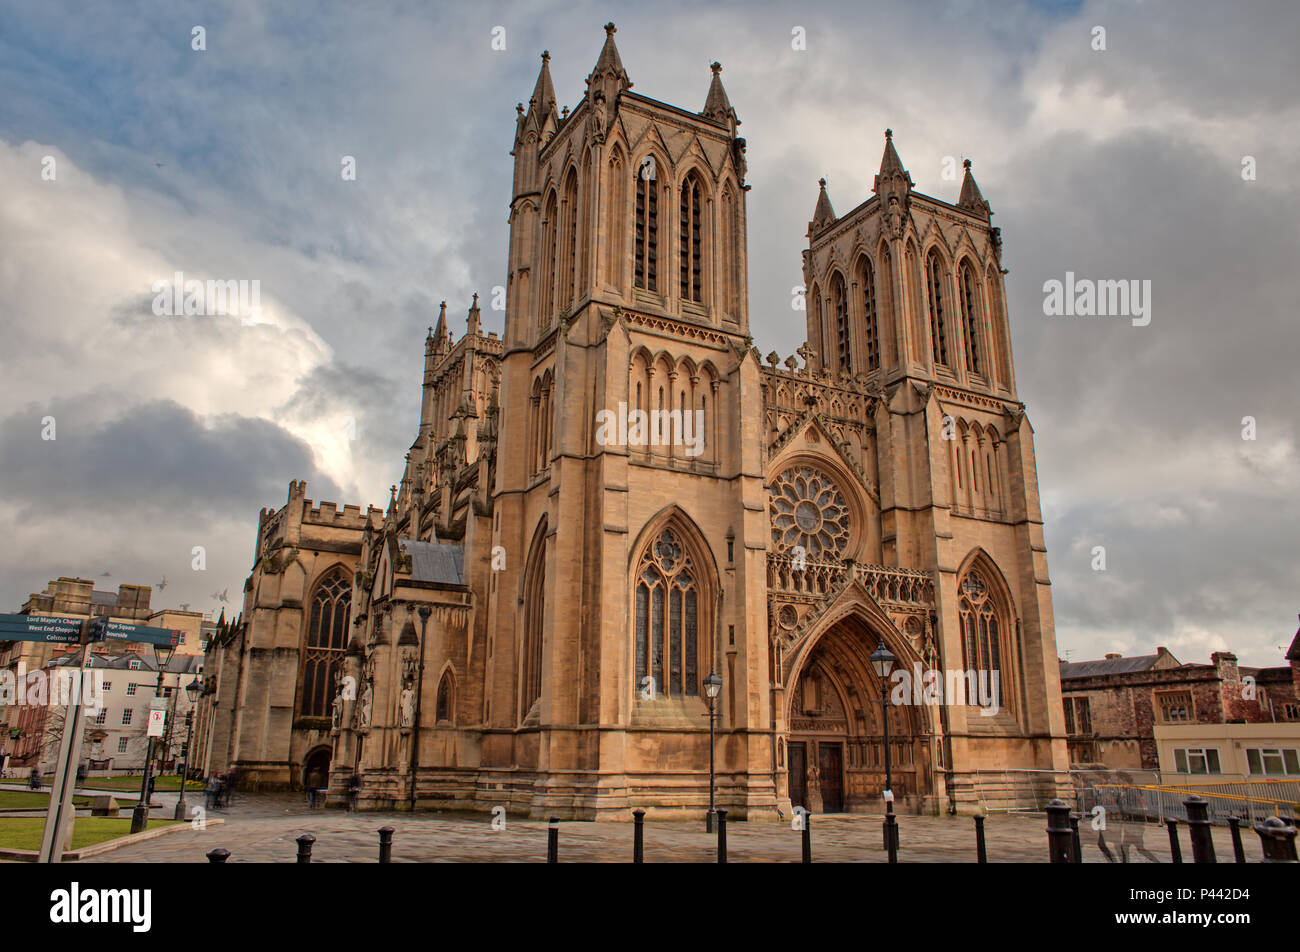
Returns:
<point x="446" y="702"/>
<point x="938" y="328"/>
<point x="691" y="240"/>
<point x="870" y="321"/>
<point x="1001" y="356"/>
<point x="729" y="261"/>
<point x="570" y="238"/>
<point x="818" y="331"/>
<point x="647" y="226"/>
<point x="666" y="630"/>
<point x="534" y="611"/>
<point x="614" y="212"/>
<point x="982" y="629"/>
<point x="971" y="319"/>
<point x="549" y="229"/>
<point x="324" y="642"/>
<point x="840" y="308"/>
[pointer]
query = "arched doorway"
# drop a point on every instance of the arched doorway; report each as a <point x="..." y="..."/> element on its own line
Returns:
<point x="316" y="769"/>
<point x="835" y="731"/>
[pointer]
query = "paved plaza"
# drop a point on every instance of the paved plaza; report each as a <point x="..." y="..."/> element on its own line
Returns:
<point x="264" y="827"/>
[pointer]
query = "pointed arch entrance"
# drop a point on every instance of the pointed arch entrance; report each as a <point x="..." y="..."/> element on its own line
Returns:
<point x="834" y="722"/>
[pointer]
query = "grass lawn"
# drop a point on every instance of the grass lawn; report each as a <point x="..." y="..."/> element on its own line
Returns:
<point x="170" y="782"/>
<point x="21" y="799"/>
<point x="24" y="833"/>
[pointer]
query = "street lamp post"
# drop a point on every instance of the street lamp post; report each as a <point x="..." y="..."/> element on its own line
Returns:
<point x="140" y="815"/>
<point x="712" y="685"/>
<point x="882" y="661"/>
<point x="425" y="612"/>
<point x="192" y="692"/>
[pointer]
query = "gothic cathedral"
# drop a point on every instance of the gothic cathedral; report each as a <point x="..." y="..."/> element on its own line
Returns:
<point x="619" y="497"/>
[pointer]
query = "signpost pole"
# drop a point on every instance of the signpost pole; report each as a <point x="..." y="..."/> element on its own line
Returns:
<point x="61" y="813"/>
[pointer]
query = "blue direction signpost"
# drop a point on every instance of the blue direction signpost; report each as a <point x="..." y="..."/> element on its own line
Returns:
<point x="65" y="631"/>
<point x="77" y="631"/>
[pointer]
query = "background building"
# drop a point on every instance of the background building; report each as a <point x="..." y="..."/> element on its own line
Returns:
<point x="22" y="730"/>
<point x="1127" y="713"/>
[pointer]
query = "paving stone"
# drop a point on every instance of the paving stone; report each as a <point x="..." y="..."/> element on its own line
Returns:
<point x="263" y="828"/>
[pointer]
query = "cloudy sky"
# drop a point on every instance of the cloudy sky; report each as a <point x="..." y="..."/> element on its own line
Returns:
<point x="126" y="155"/>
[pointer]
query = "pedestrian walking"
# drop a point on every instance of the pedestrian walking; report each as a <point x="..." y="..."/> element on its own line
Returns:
<point x="211" y="791"/>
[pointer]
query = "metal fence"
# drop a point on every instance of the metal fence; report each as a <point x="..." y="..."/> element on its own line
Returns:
<point x="1137" y="794"/>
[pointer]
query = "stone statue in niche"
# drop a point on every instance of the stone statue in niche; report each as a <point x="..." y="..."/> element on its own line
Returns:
<point x="408" y="706"/>
<point x="364" y="708"/>
<point x="336" y="710"/>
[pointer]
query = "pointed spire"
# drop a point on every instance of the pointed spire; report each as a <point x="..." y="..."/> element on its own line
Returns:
<point x="608" y="75"/>
<point x="823" y="214"/>
<point x="971" y="198"/>
<point x="543" y="97"/>
<point x="439" y="334"/>
<point x="892" y="175"/>
<point x="890" y="162"/>
<point x="716" y="105"/>
<point x="472" y="319"/>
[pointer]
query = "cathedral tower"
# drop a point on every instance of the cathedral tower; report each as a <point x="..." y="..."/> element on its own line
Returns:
<point x="629" y="498"/>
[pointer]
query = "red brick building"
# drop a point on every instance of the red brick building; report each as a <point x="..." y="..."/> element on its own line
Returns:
<point x="1113" y="705"/>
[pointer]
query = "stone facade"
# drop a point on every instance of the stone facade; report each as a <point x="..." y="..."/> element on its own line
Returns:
<point x="617" y="497"/>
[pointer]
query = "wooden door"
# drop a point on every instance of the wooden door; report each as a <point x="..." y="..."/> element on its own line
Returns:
<point x="798" y="758"/>
<point x="831" y="766"/>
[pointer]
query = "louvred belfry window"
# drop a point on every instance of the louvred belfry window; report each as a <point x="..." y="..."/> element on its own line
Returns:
<point x="840" y="304"/>
<point x="870" y="325"/>
<point x="971" y="318"/>
<point x="938" y="329"/>
<point x="647" y="226"/>
<point x="326" y="639"/>
<point x="691" y="253"/>
<point x="667" y="624"/>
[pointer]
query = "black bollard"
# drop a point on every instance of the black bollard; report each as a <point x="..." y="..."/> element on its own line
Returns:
<point x="891" y="835"/>
<point x="1198" y="825"/>
<point x="1234" y="824"/>
<point x="385" y="844"/>
<point x="722" y="836"/>
<point x="981" y="855"/>
<point x="304" y="847"/>
<point x="1060" y="847"/>
<point x="218" y="855"/>
<point x="1175" y="850"/>
<point x="638" y="836"/>
<point x="806" y="837"/>
<point x="1076" y="848"/>
<point x="553" y="841"/>
<point x="1278" y="841"/>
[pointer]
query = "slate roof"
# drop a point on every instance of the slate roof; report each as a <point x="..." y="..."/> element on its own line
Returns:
<point x="435" y="561"/>
<point x="1093" y="669"/>
<point x="177" y="664"/>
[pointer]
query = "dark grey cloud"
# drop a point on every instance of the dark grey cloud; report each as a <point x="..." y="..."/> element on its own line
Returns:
<point x="155" y="458"/>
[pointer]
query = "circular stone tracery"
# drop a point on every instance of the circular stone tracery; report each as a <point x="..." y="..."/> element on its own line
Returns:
<point x="808" y="509"/>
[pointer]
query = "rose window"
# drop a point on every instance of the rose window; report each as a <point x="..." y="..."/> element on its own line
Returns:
<point x="808" y="510"/>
